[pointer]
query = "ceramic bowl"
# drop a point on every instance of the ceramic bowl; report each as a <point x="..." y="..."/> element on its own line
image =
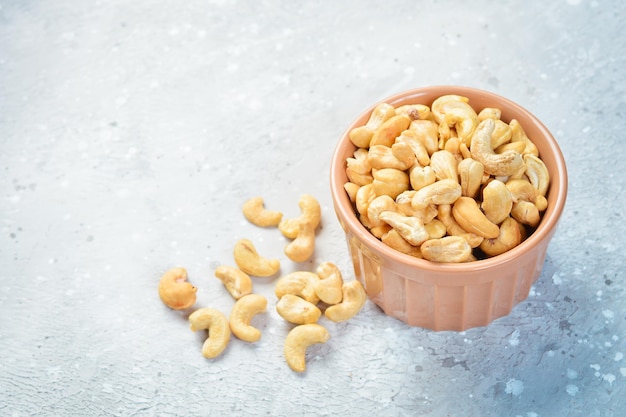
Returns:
<point x="447" y="296"/>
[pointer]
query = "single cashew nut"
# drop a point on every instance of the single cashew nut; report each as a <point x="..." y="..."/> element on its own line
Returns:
<point x="399" y="156"/>
<point x="471" y="176"/>
<point x="501" y="135"/>
<point x="297" y="310"/>
<point x="445" y="191"/>
<point x="358" y="168"/>
<point x="428" y="133"/>
<point x="489" y="112"/>
<point x="329" y="287"/>
<point x="390" y="129"/>
<point x="298" y="340"/>
<point x="435" y="229"/>
<point x="393" y="239"/>
<point x="175" y="291"/>
<point x="537" y="173"/>
<point x="244" y="309"/>
<point x="526" y="212"/>
<point x="302" y="247"/>
<point x="504" y="164"/>
<point x="444" y="164"/>
<point x="254" y="210"/>
<point x="420" y="177"/>
<point x="362" y="135"/>
<point x="414" y="111"/>
<point x="377" y="206"/>
<point x="518" y="135"/>
<point x="497" y="201"/>
<point x="390" y="181"/>
<point x="410" y="138"/>
<point x="444" y="214"/>
<point x="311" y="212"/>
<point x="217" y="325"/>
<point x="300" y="283"/>
<point x="455" y="111"/>
<point x="469" y="216"/>
<point x="236" y="282"/>
<point x="249" y="261"/>
<point x="410" y="228"/>
<point x="354" y="297"/>
<point x="351" y="189"/>
<point x="446" y="249"/>
<point x="509" y="237"/>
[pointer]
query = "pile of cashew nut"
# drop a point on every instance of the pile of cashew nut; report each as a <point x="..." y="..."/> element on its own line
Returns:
<point x="446" y="183"/>
<point x="301" y="295"/>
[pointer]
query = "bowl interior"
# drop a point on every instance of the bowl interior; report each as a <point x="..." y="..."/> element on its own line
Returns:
<point x="549" y="152"/>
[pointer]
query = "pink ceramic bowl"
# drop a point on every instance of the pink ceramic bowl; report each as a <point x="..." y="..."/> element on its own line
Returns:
<point x="446" y="296"/>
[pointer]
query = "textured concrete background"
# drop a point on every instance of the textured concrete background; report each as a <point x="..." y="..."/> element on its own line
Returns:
<point x="132" y="131"/>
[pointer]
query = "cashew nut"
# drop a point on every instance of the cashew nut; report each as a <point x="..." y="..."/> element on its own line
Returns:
<point x="414" y="111"/>
<point x="302" y="247"/>
<point x="445" y="191"/>
<point x="217" y="325"/>
<point x="489" y="112"/>
<point x="254" y="210"/>
<point x="390" y="181"/>
<point x="390" y="129"/>
<point x="504" y="164"/>
<point x="297" y="310"/>
<point x="377" y="206"/>
<point x="362" y="135"/>
<point x="244" y="309"/>
<point x="509" y="237"/>
<point x="399" y="156"/>
<point x="300" y="283"/>
<point x="410" y="138"/>
<point x="518" y="135"/>
<point x="526" y="212"/>
<point x="444" y="214"/>
<point x="354" y="297"/>
<point x="444" y="164"/>
<point x="236" y="282"/>
<point x="454" y="111"/>
<point x="446" y="249"/>
<point x="471" y="176"/>
<point x="175" y="291"/>
<point x="497" y="201"/>
<point x="358" y="168"/>
<point x="298" y="340"/>
<point x="311" y="212"/>
<point x="351" y="189"/>
<point x="428" y="133"/>
<point x="420" y="177"/>
<point x="394" y="240"/>
<point x="328" y="288"/>
<point x="249" y="261"/>
<point x="410" y="228"/>
<point x="469" y="216"/>
<point x="537" y="173"/>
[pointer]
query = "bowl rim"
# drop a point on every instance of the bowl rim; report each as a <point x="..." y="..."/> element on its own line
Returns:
<point x="545" y="229"/>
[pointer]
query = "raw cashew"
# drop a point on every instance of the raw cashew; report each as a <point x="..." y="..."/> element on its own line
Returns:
<point x="444" y="214"/>
<point x="526" y="212"/>
<point x="489" y="112"/>
<point x="358" y="168"/>
<point x="399" y="156"/>
<point x="427" y="133"/>
<point x="362" y="135"/>
<point x="217" y="325"/>
<point x="444" y="191"/>
<point x="394" y="240"/>
<point x="501" y="135"/>
<point x="303" y="246"/>
<point x="410" y="228"/>
<point x="420" y="177"/>
<point x="311" y="212"/>
<point x="390" y="129"/>
<point x="236" y="282"/>
<point x="377" y="206"/>
<point x="509" y="237"/>
<point x="354" y="297"/>
<point x="414" y="111"/>
<point x="454" y="111"/>
<point x="297" y="310"/>
<point x="537" y="173"/>
<point x="351" y="189"/>
<point x="249" y="261"/>
<point x="497" y="201"/>
<point x="410" y="138"/>
<point x="471" y="176"/>
<point x="254" y="210"/>
<point x="298" y="340"/>
<point x="505" y="164"/>
<point x="175" y="291"/>
<point x="446" y="249"/>
<point x="300" y="283"/>
<point x="444" y="164"/>
<point x="390" y="181"/>
<point x="244" y="309"/>
<point x="469" y="216"/>
<point x="328" y="288"/>
<point x="518" y="135"/>
<point x="435" y="229"/>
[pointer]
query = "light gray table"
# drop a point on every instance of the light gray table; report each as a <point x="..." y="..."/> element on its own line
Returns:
<point x="131" y="133"/>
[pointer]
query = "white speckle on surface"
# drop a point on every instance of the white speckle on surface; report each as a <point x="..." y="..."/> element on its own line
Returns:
<point x="610" y="378"/>
<point x="556" y="279"/>
<point x="622" y="371"/>
<point x="514" y="387"/>
<point x="618" y="356"/>
<point x="514" y="338"/>
<point x="574" y="2"/>
<point x="571" y="389"/>
<point x="595" y="366"/>
<point x="572" y="374"/>
<point x="608" y="314"/>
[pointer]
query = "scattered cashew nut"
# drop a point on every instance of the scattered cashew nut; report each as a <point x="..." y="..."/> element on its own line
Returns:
<point x="311" y="212"/>
<point x="217" y="325"/>
<point x="298" y="340"/>
<point x="175" y="291"/>
<point x="254" y="210"/>
<point x="244" y="309"/>
<point x="297" y="310"/>
<point x="329" y="287"/>
<point x="249" y="261"/>
<point x="354" y="297"/>
<point x="301" y="283"/>
<point x="236" y="282"/>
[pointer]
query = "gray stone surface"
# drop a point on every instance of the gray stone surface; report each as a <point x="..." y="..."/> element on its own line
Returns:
<point x="132" y="131"/>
